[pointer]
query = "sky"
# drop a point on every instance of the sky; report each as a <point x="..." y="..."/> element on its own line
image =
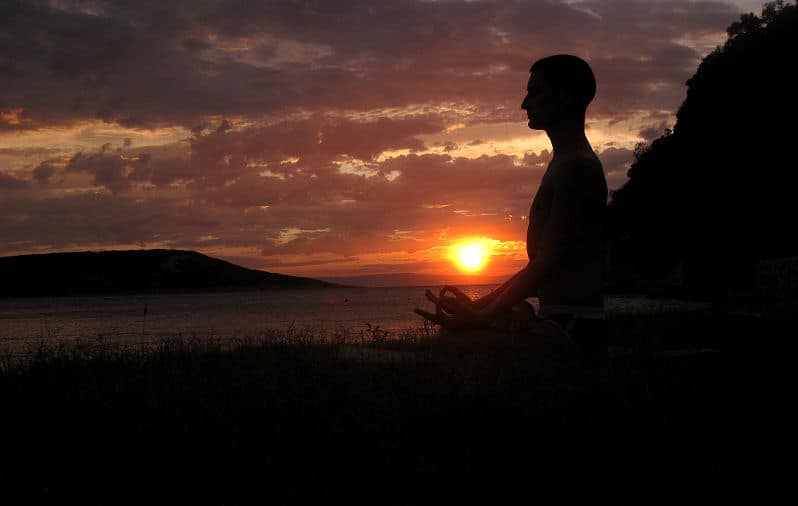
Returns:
<point x="329" y="139"/>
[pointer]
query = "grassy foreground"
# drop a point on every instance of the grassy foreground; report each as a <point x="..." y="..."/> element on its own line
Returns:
<point x="286" y="419"/>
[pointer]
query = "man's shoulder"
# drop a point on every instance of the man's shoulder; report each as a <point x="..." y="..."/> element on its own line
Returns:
<point x="576" y="168"/>
<point x="577" y="161"/>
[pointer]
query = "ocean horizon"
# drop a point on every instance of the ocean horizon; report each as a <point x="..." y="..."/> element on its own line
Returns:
<point x="143" y="318"/>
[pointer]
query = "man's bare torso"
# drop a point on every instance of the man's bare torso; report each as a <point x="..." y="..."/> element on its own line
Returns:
<point x="566" y="220"/>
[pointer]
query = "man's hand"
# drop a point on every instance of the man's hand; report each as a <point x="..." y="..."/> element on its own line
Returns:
<point x="448" y="303"/>
<point x="456" y="312"/>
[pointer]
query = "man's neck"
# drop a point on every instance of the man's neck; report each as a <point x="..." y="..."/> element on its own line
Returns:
<point x="569" y="139"/>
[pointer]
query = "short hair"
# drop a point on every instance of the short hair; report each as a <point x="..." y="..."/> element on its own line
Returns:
<point x="565" y="71"/>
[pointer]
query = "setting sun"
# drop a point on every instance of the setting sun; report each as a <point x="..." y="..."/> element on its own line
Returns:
<point x="471" y="256"/>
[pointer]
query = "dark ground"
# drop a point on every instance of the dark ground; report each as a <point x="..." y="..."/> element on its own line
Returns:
<point x="270" y="423"/>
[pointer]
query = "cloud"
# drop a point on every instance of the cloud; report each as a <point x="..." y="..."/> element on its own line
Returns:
<point x="112" y="170"/>
<point x="10" y="182"/>
<point x="151" y="64"/>
<point x="651" y="133"/>
<point x="315" y="133"/>
<point x="43" y="172"/>
<point x="27" y="151"/>
<point x="616" y="162"/>
<point x="111" y="199"/>
<point x="222" y="155"/>
<point x="282" y="190"/>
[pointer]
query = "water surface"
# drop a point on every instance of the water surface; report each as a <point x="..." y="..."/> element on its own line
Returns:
<point x="144" y="318"/>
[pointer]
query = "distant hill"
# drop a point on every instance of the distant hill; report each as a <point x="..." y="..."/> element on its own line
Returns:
<point x="107" y="272"/>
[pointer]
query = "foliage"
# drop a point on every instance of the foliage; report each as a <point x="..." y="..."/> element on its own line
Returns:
<point x="714" y="194"/>
<point x="296" y="417"/>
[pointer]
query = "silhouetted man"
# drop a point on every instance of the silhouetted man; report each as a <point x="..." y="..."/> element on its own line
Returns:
<point x="564" y="238"/>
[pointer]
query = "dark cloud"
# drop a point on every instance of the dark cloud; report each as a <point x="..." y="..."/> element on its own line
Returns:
<point x="28" y="151"/>
<point x="74" y="220"/>
<point x="43" y="172"/>
<point x="654" y="132"/>
<point x="10" y="182"/>
<point x="403" y="204"/>
<point x="144" y="64"/>
<point x="224" y="154"/>
<point x="162" y="171"/>
<point x="327" y="211"/>
<point x="110" y="169"/>
<point x="450" y="146"/>
<point x="195" y="45"/>
<point x="616" y="162"/>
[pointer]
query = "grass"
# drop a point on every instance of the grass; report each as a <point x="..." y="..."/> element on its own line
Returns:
<point x="300" y="417"/>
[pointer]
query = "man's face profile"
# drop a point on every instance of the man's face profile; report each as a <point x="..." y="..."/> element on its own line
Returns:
<point x="539" y="103"/>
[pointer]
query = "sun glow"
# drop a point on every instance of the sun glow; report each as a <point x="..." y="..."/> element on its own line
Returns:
<point x="471" y="256"/>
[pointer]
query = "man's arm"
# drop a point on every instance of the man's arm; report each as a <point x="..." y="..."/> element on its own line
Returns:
<point x="459" y="312"/>
<point x="452" y="302"/>
<point x="483" y="301"/>
<point x="563" y="232"/>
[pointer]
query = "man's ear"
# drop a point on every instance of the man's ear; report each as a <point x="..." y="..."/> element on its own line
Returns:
<point x="564" y="97"/>
<point x="566" y="100"/>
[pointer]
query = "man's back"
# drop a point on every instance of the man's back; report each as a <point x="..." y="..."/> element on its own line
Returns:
<point x="567" y="220"/>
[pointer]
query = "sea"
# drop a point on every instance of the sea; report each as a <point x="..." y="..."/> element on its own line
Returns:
<point x="26" y="323"/>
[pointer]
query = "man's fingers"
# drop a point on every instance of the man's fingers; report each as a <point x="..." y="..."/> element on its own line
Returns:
<point x="458" y="294"/>
<point x="447" y="308"/>
<point x="427" y="315"/>
<point x="446" y="303"/>
<point x="431" y="297"/>
<point x="442" y="319"/>
<point x="449" y="303"/>
<point x="457" y="307"/>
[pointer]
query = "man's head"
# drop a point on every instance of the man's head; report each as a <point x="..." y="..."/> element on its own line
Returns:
<point x="560" y="88"/>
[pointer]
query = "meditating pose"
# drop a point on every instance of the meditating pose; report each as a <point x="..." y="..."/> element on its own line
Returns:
<point x="566" y="221"/>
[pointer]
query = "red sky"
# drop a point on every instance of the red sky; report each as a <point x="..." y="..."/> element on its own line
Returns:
<point x="327" y="138"/>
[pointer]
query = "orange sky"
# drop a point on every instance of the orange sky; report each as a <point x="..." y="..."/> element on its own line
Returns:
<point x="343" y="140"/>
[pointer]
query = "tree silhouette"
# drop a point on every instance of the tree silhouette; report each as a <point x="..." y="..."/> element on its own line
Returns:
<point x="715" y="194"/>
